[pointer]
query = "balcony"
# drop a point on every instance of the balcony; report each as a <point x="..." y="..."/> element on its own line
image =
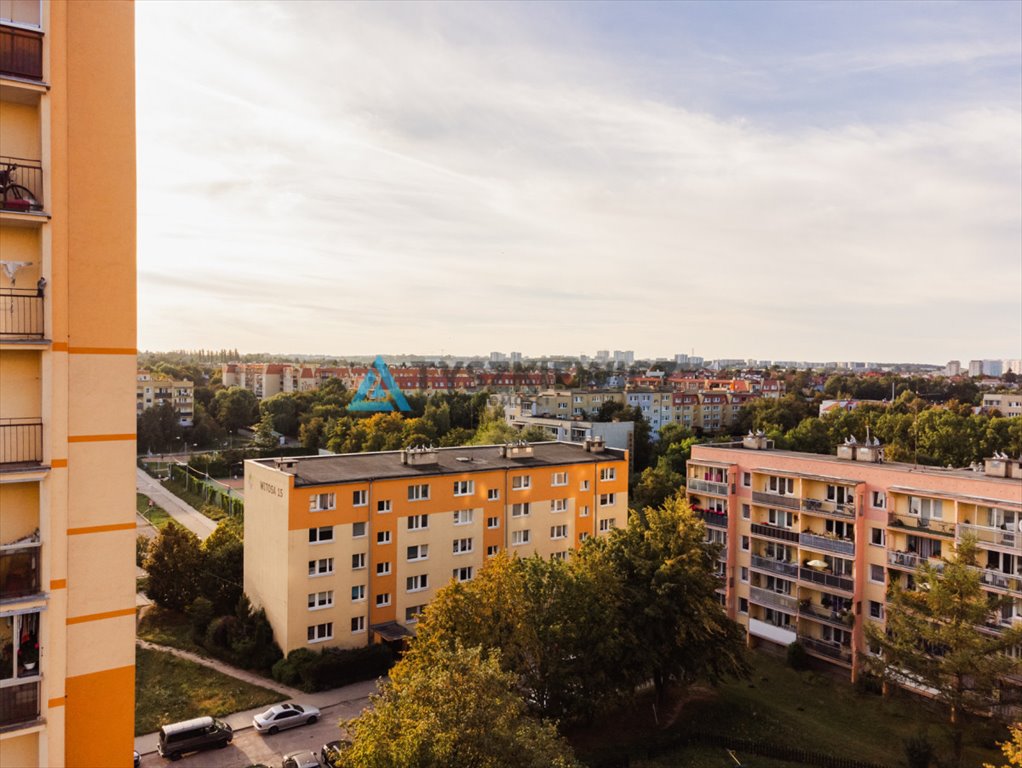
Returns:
<point x="828" y="649"/>
<point x="706" y="486"/>
<point x="920" y="524"/>
<point x="23" y="180"/>
<point x="21" y="53"/>
<point x="992" y="579"/>
<point x="19" y="570"/>
<point x="773" y="599"/>
<point x="810" y="610"/>
<point x="910" y="561"/>
<point x="826" y="544"/>
<point x="826" y="579"/>
<point x="783" y="534"/>
<point x="711" y="517"/>
<point x="775" y="500"/>
<point x="19" y="704"/>
<point x="771" y="632"/>
<point x="1007" y="537"/>
<point x="21" y="314"/>
<point x="21" y="443"/>
<point x="775" y="566"/>
<point x="829" y="508"/>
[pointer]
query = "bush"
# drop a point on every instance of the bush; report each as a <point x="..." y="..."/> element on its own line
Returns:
<point x="919" y="752"/>
<point x="141" y="549"/>
<point x="798" y="659"/>
<point x="868" y="684"/>
<point x="333" y="667"/>
<point x="201" y="614"/>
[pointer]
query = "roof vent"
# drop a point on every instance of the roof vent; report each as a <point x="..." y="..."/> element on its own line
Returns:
<point x="757" y="441"/>
<point x="285" y="463"/>
<point x="519" y="450"/>
<point x="594" y="444"/>
<point x="419" y="456"/>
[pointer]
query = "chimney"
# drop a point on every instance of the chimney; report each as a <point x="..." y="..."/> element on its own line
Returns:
<point x="757" y="441"/>
<point x="285" y="464"/>
<point x="594" y="445"/>
<point x="417" y="457"/>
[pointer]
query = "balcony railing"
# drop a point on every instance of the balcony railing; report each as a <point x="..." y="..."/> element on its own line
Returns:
<point x="920" y="524"/>
<point x="773" y="599"/>
<point x="775" y="500"/>
<point x="19" y="703"/>
<point x="784" y="534"/>
<point x="833" y="650"/>
<point x="829" y="508"/>
<point x="21" y="314"/>
<point x="1009" y="537"/>
<point x="22" y="180"/>
<point x="818" y="613"/>
<point x="825" y="544"/>
<point x="706" y="486"/>
<point x="19" y="571"/>
<point x="21" y="441"/>
<point x="711" y="517"/>
<point x="21" y="53"/>
<point x="998" y="580"/>
<point x="910" y="561"/>
<point x="775" y="566"/>
<point x="826" y="579"/>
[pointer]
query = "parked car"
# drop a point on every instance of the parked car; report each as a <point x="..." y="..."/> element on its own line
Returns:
<point x="138" y="760"/>
<point x="192" y="736"/>
<point x="301" y="759"/>
<point x="332" y="753"/>
<point x="282" y="716"/>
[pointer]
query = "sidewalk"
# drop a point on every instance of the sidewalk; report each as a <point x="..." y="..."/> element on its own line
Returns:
<point x="240" y="721"/>
<point x="188" y="516"/>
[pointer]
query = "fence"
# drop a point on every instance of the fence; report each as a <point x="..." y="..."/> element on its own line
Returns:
<point x="212" y="492"/>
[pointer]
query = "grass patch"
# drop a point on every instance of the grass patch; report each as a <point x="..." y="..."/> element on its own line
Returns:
<point x="166" y="627"/>
<point x="155" y="514"/>
<point x="169" y="689"/>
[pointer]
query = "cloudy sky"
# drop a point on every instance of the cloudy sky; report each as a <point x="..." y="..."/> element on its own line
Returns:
<point x="784" y="181"/>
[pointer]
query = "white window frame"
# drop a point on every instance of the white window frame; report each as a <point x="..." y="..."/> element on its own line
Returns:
<point x="418" y="492"/>
<point x="383" y="568"/>
<point x="320" y="633"/>
<point x="383" y="600"/>
<point x="607" y="524"/>
<point x="493" y="522"/>
<point x="316" y="535"/>
<point x="584" y="485"/>
<point x="492" y="550"/>
<point x="354" y="530"/>
<point x="322" y="502"/>
<point x="358" y="561"/>
<point x="417" y="522"/>
<point x="558" y="479"/>
<point x="462" y="574"/>
<point x="358" y="593"/>
<point x="320" y="600"/>
<point x="383" y="506"/>
<point x="522" y="509"/>
<point x="421" y="553"/>
<point x="360" y="498"/>
<point x="608" y="499"/>
<point x="583" y="511"/>
<point x="521" y="482"/>
<point x="464" y="487"/>
<point x="316" y="565"/>
<point x="358" y="624"/>
<point x="558" y="532"/>
<point x="463" y="517"/>
<point x="493" y="494"/>
<point x="417" y="583"/>
<point x="520" y="538"/>
<point x="463" y="546"/>
<point x="559" y="505"/>
<point x="383" y="537"/>
<point x="607" y="474"/>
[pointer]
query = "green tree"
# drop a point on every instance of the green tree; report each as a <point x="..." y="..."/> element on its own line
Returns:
<point x="223" y="554"/>
<point x="235" y="408"/>
<point x="174" y="563"/>
<point x="205" y="432"/>
<point x="931" y="639"/>
<point x="285" y="410"/>
<point x="157" y="429"/>
<point x="264" y="436"/>
<point x="656" y="485"/>
<point x="452" y="706"/>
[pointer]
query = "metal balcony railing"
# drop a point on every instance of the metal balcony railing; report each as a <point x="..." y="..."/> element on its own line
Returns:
<point x="829" y="508"/>
<point x="706" y="486"/>
<point x="826" y="544"/>
<point x="775" y="500"/>
<point x="711" y="517"/>
<point x="818" y="613"/>
<point x="1006" y="536"/>
<point x="19" y="703"/>
<point x="784" y="534"/>
<point x="21" y="180"/>
<point x="833" y="650"/>
<point x="775" y="566"/>
<point x="988" y="577"/>
<point x="21" y="53"/>
<point x="773" y="599"/>
<point x="920" y="524"/>
<point x="19" y="571"/>
<point x="826" y="579"/>
<point x="21" y="314"/>
<point x="21" y="441"/>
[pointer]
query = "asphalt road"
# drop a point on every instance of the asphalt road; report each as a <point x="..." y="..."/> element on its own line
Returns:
<point x="188" y="516"/>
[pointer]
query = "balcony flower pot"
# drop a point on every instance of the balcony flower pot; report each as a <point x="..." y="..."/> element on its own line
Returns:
<point x="28" y="654"/>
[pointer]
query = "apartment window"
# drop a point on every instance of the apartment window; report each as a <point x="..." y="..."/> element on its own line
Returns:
<point x="358" y="530"/>
<point x="418" y="492"/>
<point x="383" y="569"/>
<point x="418" y="552"/>
<point x="583" y="511"/>
<point x="319" y="502"/>
<point x="744" y="576"/>
<point x="780" y="518"/>
<point x="583" y="536"/>
<point x="781" y="485"/>
<point x="319" y="535"/>
<point x="320" y="632"/>
<point x="461" y="546"/>
<point x="745" y="543"/>
<point x="519" y="537"/>
<point x="520" y="510"/>
<point x="559" y="532"/>
<point x="418" y="522"/>
<point x="608" y="473"/>
<point x="358" y="592"/>
<point x="413" y="612"/>
<point x="584" y="485"/>
<point x="746" y="512"/>
<point x="319" y="600"/>
<point x="562" y="555"/>
<point x="493" y="522"/>
<point x="746" y="479"/>
<point x="463" y="517"/>
<point x="559" y="478"/>
<point x="383" y="537"/>
<point x="839" y="493"/>
<point x="358" y="624"/>
<point x="383" y="505"/>
<point x="383" y="599"/>
<point x="879" y="499"/>
<point x="877" y="537"/>
<point x="492" y="550"/>
<point x="876" y="610"/>
<point x="358" y="561"/>
<point x="464" y="487"/>
<point x="321" y="567"/>
<point x="559" y="505"/>
<point x="607" y="499"/>
<point x="876" y="574"/>
<point x="606" y="524"/>
<point x="925" y="508"/>
<point x="743" y="605"/>
<point x="462" y="574"/>
<point x="417" y="583"/>
<point x="521" y="482"/>
<point x="359" y="498"/>
<point x="493" y="494"/>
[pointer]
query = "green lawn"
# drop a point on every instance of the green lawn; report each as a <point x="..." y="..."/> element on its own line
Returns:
<point x="155" y="514"/>
<point x="166" y="627"/>
<point x="169" y="689"/>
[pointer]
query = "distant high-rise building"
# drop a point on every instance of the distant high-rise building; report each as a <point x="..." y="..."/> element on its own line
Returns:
<point x="516" y="357"/>
<point x="497" y="357"/>
<point x="624" y="357"/>
<point x="993" y="367"/>
<point x="1013" y="366"/>
<point x="953" y="368"/>
<point x="602" y="355"/>
<point x="975" y="367"/>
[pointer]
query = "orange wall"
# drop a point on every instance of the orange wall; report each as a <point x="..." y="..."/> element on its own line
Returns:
<point x="101" y="718"/>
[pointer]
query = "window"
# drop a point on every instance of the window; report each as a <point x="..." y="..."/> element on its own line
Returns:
<point x="418" y="552"/>
<point x="746" y="479"/>
<point x="358" y="561"/>
<point x="839" y="494"/>
<point x="746" y="512"/>
<point x="608" y="473"/>
<point x="358" y="592"/>
<point x="925" y="508"/>
<point x="319" y="502"/>
<point x="319" y="600"/>
<point x="583" y="536"/>
<point x="383" y="599"/>
<point x="463" y="517"/>
<point x="780" y="518"/>
<point x="743" y="605"/>
<point x="877" y="537"/>
<point x="493" y="494"/>
<point x="321" y="567"/>
<point x="781" y="485"/>
<point x="559" y="532"/>
<point x="412" y="613"/>
<point x="492" y="550"/>
<point x="319" y="535"/>
<point x="876" y="574"/>
<point x="562" y="555"/>
<point x="461" y="546"/>
<point x="521" y="482"/>
<point x="464" y="487"/>
<point x="358" y="530"/>
<point x="462" y="574"/>
<point x="520" y="510"/>
<point x="519" y="537"/>
<point x="745" y="543"/>
<point x="583" y="511"/>
<point x="418" y="492"/>
<point x="493" y="522"/>
<point x="607" y="499"/>
<point x="358" y="624"/>
<point x="606" y="524"/>
<point x="744" y="574"/>
<point x="417" y="583"/>
<point x="359" y="498"/>
<point x="383" y="569"/>
<point x="418" y="522"/>
<point x="584" y="486"/>
<point x="559" y="505"/>
<point x="383" y="505"/>
<point x="879" y="499"/>
<point x="876" y="610"/>
<point x="320" y="632"/>
<point x="558" y="479"/>
<point x="383" y="537"/>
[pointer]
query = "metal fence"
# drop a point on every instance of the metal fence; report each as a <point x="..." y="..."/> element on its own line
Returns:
<point x="21" y="441"/>
<point x="21" y="314"/>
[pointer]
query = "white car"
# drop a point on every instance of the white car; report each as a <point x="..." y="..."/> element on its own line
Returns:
<point x="282" y="716"/>
<point x="302" y="759"/>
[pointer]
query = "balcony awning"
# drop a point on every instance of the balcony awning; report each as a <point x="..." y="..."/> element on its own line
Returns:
<point x="391" y="631"/>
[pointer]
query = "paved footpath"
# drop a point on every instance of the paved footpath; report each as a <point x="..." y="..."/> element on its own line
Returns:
<point x="250" y="747"/>
<point x="188" y="516"/>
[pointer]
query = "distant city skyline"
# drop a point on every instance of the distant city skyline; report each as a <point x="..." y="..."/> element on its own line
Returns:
<point x="829" y="181"/>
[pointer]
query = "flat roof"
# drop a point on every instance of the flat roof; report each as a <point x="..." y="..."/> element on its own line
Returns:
<point x="386" y="465"/>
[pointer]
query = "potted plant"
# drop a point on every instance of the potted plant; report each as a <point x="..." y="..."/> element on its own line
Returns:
<point x="28" y="654"/>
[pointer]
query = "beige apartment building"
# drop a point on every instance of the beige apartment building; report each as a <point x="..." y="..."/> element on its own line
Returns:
<point x="812" y="542"/>
<point x="346" y="550"/>
<point x="153" y="390"/>
<point x="67" y="371"/>
<point x="1008" y="403"/>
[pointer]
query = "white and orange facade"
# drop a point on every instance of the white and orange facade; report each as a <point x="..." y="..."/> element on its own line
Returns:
<point x="812" y="542"/>
<point x="153" y="390"/>
<point x="67" y="380"/>
<point x="346" y="550"/>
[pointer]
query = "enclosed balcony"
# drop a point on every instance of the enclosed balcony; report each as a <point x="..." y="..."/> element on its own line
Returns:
<point x="21" y="53"/>
<point x="22" y="182"/>
<point x="19" y="569"/>
<point x="19" y="669"/>
<point x="21" y="314"/>
<point x="21" y="443"/>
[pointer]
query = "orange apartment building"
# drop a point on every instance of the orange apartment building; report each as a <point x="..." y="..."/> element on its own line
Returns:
<point x="811" y="542"/>
<point x="346" y="550"/>
<point x="67" y="380"/>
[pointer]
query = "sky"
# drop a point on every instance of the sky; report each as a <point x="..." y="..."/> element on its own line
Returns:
<point x="796" y="181"/>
